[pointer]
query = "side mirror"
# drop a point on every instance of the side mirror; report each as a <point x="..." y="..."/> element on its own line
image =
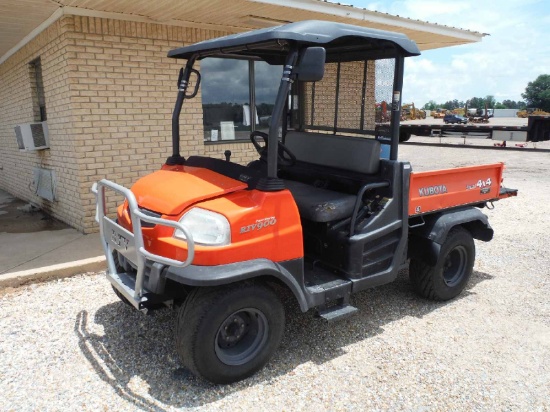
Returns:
<point x="311" y="67"/>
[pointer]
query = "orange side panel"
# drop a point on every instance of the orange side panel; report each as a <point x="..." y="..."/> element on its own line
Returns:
<point x="443" y="189"/>
<point x="263" y="225"/>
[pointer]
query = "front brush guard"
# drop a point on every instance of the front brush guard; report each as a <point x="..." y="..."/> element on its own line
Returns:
<point x="130" y="244"/>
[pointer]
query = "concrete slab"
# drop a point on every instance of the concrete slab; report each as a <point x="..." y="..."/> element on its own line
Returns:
<point x="34" y="247"/>
<point x="22" y="249"/>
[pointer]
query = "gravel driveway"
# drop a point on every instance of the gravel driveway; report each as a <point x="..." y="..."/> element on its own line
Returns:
<point x="71" y="345"/>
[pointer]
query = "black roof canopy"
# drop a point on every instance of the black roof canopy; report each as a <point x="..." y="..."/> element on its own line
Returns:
<point x="343" y="42"/>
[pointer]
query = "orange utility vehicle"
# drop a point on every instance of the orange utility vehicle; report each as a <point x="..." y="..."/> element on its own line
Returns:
<point x="319" y="213"/>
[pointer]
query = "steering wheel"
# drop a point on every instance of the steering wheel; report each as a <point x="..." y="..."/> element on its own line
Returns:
<point x="284" y="156"/>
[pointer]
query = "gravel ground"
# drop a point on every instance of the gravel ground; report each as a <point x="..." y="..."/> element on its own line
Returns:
<point x="71" y="345"/>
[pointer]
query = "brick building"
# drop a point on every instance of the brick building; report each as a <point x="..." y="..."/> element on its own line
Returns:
<point x="99" y="77"/>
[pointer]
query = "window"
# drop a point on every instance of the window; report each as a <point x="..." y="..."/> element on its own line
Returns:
<point x="352" y="98"/>
<point x="228" y="88"/>
<point x="37" y="90"/>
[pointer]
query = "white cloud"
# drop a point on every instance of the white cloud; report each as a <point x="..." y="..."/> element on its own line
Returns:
<point x="516" y="51"/>
<point x="459" y="64"/>
<point x="421" y="65"/>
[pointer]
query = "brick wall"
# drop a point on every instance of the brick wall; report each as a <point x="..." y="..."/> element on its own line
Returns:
<point x="242" y="153"/>
<point x="349" y="97"/>
<point x="16" y="106"/>
<point x="110" y="92"/>
<point x="123" y="93"/>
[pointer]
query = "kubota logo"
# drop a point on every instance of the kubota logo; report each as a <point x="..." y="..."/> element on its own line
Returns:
<point x="432" y="190"/>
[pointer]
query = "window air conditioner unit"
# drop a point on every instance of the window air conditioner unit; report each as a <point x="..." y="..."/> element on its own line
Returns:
<point x="32" y="136"/>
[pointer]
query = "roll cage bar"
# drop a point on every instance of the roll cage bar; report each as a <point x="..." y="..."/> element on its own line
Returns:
<point x="286" y="45"/>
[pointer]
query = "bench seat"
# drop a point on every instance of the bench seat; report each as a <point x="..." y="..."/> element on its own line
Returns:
<point x="357" y="157"/>
<point x="354" y="154"/>
<point x="320" y="205"/>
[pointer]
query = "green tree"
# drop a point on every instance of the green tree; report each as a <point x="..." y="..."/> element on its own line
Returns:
<point x="476" y="103"/>
<point x="453" y="104"/>
<point x="537" y="93"/>
<point x="490" y="100"/>
<point x="431" y="105"/>
<point x="499" y="105"/>
<point x="509" y="104"/>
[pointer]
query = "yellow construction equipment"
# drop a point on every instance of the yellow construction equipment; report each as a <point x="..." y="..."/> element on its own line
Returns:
<point x="531" y="111"/>
<point x="439" y="113"/>
<point x="409" y="112"/>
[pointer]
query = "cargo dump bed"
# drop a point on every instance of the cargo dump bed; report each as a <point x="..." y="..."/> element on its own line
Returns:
<point x="444" y="189"/>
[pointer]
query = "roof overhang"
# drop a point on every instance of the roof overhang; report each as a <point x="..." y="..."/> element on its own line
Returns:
<point x="22" y="20"/>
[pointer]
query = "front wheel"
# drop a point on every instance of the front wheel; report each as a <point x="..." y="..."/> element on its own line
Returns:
<point x="226" y="334"/>
<point x="449" y="276"/>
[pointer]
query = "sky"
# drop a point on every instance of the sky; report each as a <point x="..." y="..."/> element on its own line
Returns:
<point x="516" y="51"/>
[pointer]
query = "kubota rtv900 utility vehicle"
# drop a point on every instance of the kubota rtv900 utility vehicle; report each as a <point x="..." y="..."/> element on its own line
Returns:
<point x="319" y="213"/>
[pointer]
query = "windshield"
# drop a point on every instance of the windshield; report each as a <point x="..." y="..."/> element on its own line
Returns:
<point x="228" y="87"/>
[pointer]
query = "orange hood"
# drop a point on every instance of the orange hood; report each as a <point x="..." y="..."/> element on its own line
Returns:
<point x="170" y="192"/>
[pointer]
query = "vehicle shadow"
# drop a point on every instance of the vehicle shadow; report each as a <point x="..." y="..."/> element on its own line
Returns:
<point x="136" y="355"/>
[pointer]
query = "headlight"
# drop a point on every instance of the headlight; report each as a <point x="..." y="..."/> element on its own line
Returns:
<point x="206" y="227"/>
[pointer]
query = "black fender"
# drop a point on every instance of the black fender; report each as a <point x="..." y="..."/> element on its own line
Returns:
<point x="425" y="241"/>
<point x="194" y="275"/>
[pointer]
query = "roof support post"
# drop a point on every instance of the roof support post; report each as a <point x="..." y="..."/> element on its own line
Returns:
<point x="396" y="104"/>
<point x="277" y="115"/>
<point x="183" y="82"/>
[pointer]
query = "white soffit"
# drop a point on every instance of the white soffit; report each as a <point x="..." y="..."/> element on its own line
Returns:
<point x="22" y="20"/>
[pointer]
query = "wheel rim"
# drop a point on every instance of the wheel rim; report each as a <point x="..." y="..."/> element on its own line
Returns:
<point x="454" y="267"/>
<point x="241" y="336"/>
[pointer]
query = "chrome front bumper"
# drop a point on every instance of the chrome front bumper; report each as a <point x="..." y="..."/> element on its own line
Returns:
<point x="130" y="245"/>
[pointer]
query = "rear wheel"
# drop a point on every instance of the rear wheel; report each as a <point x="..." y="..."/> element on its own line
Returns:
<point x="449" y="276"/>
<point x="226" y="334"/>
